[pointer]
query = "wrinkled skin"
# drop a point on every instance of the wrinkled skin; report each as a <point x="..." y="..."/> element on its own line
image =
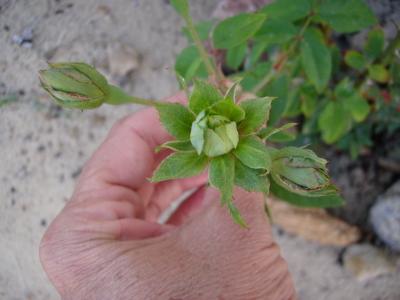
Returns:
<point x="106" y="244"/>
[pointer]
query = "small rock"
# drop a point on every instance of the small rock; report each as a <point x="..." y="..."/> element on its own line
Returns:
<point x="385" y="220"/>
<point x="25" y="38"/>
<point x="366" y="262"/>
<point x="313" y="224"/>
<point x="122" y="59"/>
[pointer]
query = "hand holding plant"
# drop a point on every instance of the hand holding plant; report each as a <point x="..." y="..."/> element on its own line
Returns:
<point x="214" y="131"/>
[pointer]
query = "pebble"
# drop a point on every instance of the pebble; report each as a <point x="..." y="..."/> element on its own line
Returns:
<point x="122" y="59"/>
<point x="366" y="262"/>
<point x="385" y="220"/>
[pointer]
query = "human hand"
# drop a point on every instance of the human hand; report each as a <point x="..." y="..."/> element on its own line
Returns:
<point x="106" y="243"/>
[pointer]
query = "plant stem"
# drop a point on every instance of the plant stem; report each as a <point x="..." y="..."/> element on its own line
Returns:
<point x="117" y="96"/>
<point x="278" y="66"/>
<point x="210" y="66"/>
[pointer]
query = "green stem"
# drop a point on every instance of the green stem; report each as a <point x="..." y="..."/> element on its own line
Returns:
<point x="283" y="59"/>
<point x="117" y="96"/>
<point x="210" y="67"/>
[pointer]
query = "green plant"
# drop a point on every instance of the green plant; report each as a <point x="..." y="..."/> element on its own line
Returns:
<point x="289" y="49"/>
<point x="216" y="130"/>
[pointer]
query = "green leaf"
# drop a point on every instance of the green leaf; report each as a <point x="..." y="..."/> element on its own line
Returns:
<point x="357" y="106"/>
<point x="316" y="60"/>
<point x="177" y="119"/>
<point x="178" y="146"/>
<point x="379" y="73"/>
<point x="251" y="180"/>
<point x="222" y="176"/>
<point x="288" y="10"/>
<point x="267" y="133"/>
<point x="253" y="153"/>
<point x="306" y="200"/>
<point x="276" y="31"/>
<point x="254" y="75"/>
<point x="235" y="30"/>
<point x="189" y="64"/>
<point x="236" y="215"/>
<point x="229" y="109"/>
<point x="334" y="122"/>
<point x="180" y="165"/>
<point x="308" y="97"/>
<point x="282" y="137"/>
<point x="181" y="7"/>
<point x="279" y="88"/>
<point x="346" y="16"/>
<point x="258" y="48"/>
<point x="355" y="60"/>
<point x="235" y="56"/>
<point x="203" y="28"/>
<point x="256" y="112"/>
<point x="375" y="43"/>
<point x="204" y="95"/>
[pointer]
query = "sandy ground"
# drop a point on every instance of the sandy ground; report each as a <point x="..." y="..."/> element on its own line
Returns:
<point x="43" y="148"/>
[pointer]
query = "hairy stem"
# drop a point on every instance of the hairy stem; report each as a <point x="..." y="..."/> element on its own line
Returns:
<point x="210" y="66"/>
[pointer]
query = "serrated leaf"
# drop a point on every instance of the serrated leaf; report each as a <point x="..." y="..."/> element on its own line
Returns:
<point x="181" y="7"/>
<point x="379" y="73"/>
<point x="256" y="112"/>
<point x="235" y="56"/>
<point x="177" y="119"/>
<point x="189" y="64"/>
<point x="222" y="176"/>
<point x="235" y="30"/>
<point x="288" y="10"/>
<point x="253" y="153"/>
<point x="267" y="133"/>
<point x="346" y="16"/>
<point x="375" y="43"/>
<point x="229" y="109"/>
<point x="251" y="180"/>
<point x="178" y="146"/>
<point x="355" y="60"/>
<point x="276" y="31"/>
<point x="204" y="95"/>
<point x="180" y="165"/>
<point x="303" y="200"/>
<point x="334" y="122"/>
<point x="316" y="60"/>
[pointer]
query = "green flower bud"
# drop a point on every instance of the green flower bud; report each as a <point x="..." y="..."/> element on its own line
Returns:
<point x="299" y="170"/>
<point x="213" y="135"/>
<point x="75" y="85"/>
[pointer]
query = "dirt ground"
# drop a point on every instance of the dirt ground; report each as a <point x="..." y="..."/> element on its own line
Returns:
<point x="43" y="148"/>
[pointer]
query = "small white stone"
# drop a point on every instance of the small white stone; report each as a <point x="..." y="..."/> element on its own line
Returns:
<point x="122" y="59"/>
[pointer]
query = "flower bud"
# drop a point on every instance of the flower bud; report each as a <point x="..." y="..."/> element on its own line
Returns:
<point x="213" y="135"/>
<point x="300" y="170"/>
<point x="75" y="85"/>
